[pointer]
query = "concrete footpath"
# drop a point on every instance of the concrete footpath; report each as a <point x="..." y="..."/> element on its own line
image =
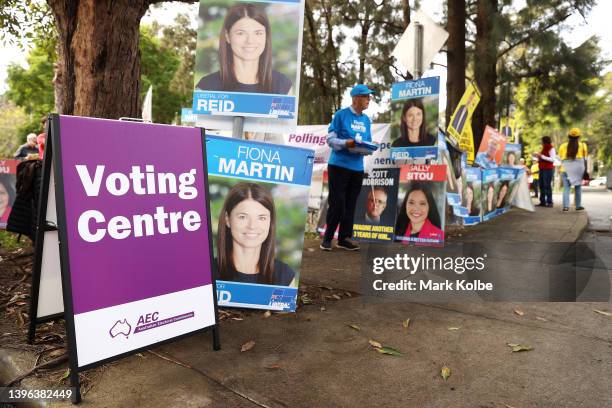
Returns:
<point x="322" y="356"/>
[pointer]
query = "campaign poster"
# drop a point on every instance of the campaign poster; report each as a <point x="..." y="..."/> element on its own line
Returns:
<point x="421" y="203"/>
<point x="376" y="206"/>
<point x="414" y="119"/>
<point x="248" y="57"/>
<point x="8" y="174"/>
<point x="134" y="234"/>
<point x="507" y="127"/>
<point x="490" y="196"/>
<point x="491" y="149"/>
<point x="471" y="199"/>
<point x="454" y="161"/>
<point x="508" y="182"/>
<point x="259" y="196"/>
<point x="187" y="117"/>
<point x="512" y="155"/>
<point x="322" y="214"/>
<point x="459" y="130"/>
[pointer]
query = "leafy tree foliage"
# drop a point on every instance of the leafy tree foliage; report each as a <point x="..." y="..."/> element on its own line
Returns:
<point x="12" y="120"/>
<point x="167" y="64"/>
<point x="32" y="88"/>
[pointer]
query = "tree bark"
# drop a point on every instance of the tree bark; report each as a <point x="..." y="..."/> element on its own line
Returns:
<point x="455" y="85"/>
<point x="98" y="70"/>
<point x="65" y="14"/>
<point x="485" y="64"/>
<point x="406" y="13"/>
<point x="363" y="45"/>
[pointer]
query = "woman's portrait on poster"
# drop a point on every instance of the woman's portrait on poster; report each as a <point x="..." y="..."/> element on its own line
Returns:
<point x="418" y="215"/>
<point x="246" y="238"/>
<point x="413" y="126"/>
<point x="7" y="196"/>
<point x="245" y="55"/>
<point x="471" y="205"/>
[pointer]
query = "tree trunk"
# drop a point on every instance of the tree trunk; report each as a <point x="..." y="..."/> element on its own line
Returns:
<point x="363" y="45"/>
<point x="485" y="66"/>
<point x="65" y="13"/>
<point x="406" y="14"/>
<point x="455" y="85"/>
<point x="98" y="70"/>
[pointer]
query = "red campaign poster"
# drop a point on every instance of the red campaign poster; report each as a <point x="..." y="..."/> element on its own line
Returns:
<point x="8" y="175"/>
<point x="421" y="204"/>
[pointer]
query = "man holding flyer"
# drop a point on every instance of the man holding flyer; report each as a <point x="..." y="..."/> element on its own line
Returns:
<point x="350" y="138"/>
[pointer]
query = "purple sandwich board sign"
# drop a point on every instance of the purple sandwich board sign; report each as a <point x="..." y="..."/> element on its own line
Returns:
<point x="134" y="232"/>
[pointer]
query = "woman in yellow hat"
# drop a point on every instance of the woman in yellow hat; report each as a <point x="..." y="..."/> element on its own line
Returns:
<point x="573" y="154"/>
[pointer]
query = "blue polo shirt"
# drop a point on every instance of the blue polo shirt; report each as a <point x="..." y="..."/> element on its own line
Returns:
<point x="345" y="125"/>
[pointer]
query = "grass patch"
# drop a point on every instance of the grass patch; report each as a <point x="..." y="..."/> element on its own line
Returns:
<point x="8" y="241"/>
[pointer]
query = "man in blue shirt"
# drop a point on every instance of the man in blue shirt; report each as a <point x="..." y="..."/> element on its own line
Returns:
<point x="349" y="127"/>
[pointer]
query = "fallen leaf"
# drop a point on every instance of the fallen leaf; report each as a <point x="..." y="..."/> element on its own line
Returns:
<point x="237" y="318"/>
<point x="519" y="312"/>
<point x="519" y="347"/>
<point x="406" y="323"/>
<point x="541" y="319"/>
<point x="445" y="372"/>
<point x="603" y="312"/>
<point x="247" y="346"/>
<point x="323" y="308"/>
<point x="390" y="351"/>
<point x="310" y="249"/>
<point x="336" y="297"/>
<point x="273" y="367"/>
<point x="453" y="328"/>
<point x="66" y="374"/>
<point x="354" y="327"/>
<point x="348" y="294"/>
<point x="374" y="344"/>
<point x="267" y="314"/>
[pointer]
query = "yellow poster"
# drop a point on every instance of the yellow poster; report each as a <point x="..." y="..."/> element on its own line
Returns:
<point x="507" y="127"/>
<point x="459" y="131"/>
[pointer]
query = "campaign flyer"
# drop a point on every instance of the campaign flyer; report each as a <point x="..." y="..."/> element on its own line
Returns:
<point x="8" y="174"/>
<point x="472" y="191"/>
<point x="421" y="204"/>
<point x="490" y="189"/>
<point x="259" y="195"/>
<point x="491" y="149"/>
<point x="376" y="206"/>
<point x="414" y="119"/>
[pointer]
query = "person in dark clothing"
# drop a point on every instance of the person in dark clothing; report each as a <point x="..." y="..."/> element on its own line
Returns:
<point x="29" y="147"/>
<point x="245" y="55"/>
<point x="246" y="238"/>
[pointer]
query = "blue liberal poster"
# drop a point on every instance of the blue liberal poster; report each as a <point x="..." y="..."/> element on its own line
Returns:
<point x="471" y="208"/>
<point x="490" y="188"/>
<point x="248" y="58"/>
<point x="414" y="119"/>
<point x="258" y="202"/>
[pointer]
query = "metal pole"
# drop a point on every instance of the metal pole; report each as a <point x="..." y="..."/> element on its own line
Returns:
<point x="238" y="127"/>
<point x="418" y="50"/>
